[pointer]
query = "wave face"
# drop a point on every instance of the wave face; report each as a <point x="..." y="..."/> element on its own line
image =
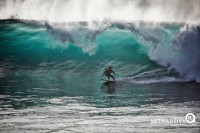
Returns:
<point x="116" y="10"/>
<point x="140" y="53"/>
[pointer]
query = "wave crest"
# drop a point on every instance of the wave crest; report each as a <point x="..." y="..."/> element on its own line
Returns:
<point x="182" y="53"/>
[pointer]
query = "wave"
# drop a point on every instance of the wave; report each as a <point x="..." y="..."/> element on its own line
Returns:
<point x="134" y="49"/>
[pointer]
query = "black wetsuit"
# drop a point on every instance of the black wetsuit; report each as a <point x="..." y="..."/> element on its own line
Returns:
<point x="108" y="73"/>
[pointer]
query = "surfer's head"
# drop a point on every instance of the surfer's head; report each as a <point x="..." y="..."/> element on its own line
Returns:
<point x="110" y="67"/>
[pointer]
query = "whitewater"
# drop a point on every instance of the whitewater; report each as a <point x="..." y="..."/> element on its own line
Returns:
<point x="53" y="55"/>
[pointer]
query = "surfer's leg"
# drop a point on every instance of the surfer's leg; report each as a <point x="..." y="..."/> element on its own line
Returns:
<point x="112" y="77"/>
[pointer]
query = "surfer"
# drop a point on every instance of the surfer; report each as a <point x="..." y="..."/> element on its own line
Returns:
<point x="108" y="72"/>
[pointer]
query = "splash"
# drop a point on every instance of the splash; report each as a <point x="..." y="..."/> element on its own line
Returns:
<point x="182" y="53"/>
<point x="90" y="10"/>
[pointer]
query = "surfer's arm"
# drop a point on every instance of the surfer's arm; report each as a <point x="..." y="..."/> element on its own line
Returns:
<point x="113" y="72"/>
<point x="103" y="74"/>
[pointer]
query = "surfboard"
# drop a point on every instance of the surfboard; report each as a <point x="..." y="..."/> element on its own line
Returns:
<point x="109" y="82"/>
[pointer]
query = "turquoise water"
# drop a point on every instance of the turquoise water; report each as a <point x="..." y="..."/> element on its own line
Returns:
<point x="50" y="77"/>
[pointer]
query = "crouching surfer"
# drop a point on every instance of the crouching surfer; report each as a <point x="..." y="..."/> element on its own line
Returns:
<point x="108" y="72"/>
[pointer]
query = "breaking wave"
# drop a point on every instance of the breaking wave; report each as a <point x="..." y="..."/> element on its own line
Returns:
<point x="143" y="52"/>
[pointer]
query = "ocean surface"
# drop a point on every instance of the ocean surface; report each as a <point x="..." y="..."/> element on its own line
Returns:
<point x="51" y="76"/>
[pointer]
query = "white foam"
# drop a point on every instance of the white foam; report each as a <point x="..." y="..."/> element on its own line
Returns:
<point x="87" y="10"/>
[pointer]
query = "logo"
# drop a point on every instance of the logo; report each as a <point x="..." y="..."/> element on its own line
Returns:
<point x="190" y="118"/>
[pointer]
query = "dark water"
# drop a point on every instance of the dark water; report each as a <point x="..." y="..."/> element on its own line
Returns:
<point x="122" y="108"/>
